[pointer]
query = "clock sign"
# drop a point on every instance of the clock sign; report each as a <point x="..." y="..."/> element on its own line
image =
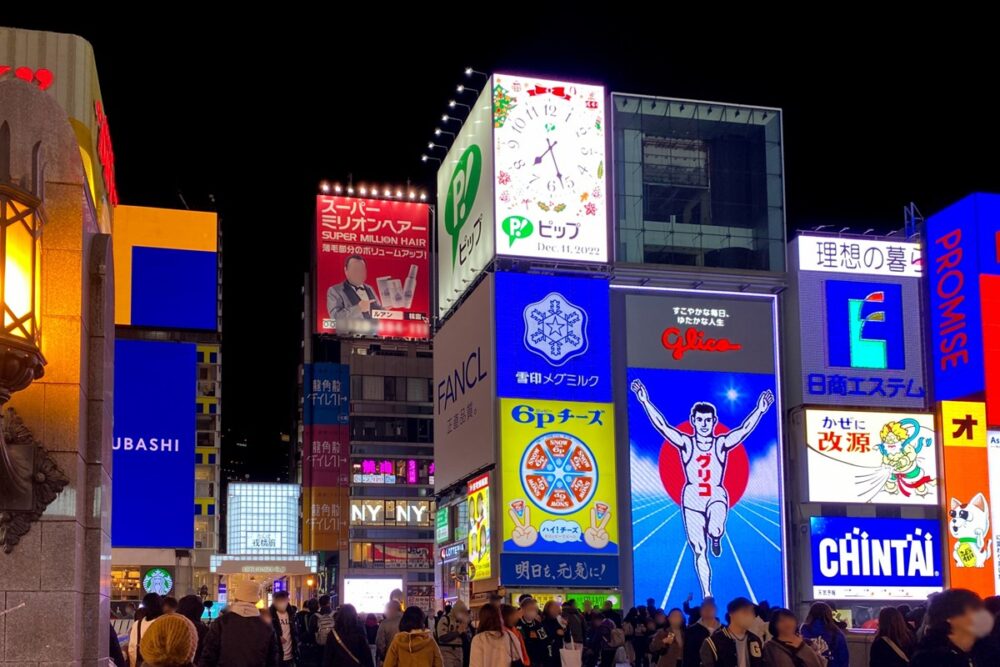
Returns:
<point x="549" y="163"/>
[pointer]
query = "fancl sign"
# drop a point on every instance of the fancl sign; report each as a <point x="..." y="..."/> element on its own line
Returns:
<point x="874" y="558"/>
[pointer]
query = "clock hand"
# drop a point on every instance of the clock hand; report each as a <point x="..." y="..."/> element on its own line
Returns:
<point x="538" y="160"/>
<point x="555" y="164"/>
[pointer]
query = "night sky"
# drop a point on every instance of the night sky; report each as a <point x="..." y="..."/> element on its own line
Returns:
<point x="255" y="111"/>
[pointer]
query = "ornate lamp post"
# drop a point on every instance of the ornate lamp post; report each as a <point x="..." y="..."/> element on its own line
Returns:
<point x="29" y="478"/>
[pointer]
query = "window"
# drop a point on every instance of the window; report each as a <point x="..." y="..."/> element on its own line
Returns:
<point x="372" y="388"/>
<point x="416" y="390"/>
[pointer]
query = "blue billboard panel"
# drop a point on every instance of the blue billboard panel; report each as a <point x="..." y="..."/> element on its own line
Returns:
<point x="553" y="337"/>
<point x="327" y="393"/>
<point x="174" y="288"/>
<point x="962" y="243"/>
<point x="867" y="558"/>
<point x="154" y="445"/>
<point x="865" y="324"/>
<point x="705" y="446"/>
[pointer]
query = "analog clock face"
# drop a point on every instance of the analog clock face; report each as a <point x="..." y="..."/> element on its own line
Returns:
<point x="549" y="167"/>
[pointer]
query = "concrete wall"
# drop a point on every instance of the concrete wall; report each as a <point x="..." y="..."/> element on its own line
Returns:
<point x="61" y="568"/>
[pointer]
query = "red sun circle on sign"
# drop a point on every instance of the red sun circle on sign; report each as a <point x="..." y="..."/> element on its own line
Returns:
<point x="734" y="479"/>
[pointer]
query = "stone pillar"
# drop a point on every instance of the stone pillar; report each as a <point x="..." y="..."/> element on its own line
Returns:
<point x="56" y="582"/>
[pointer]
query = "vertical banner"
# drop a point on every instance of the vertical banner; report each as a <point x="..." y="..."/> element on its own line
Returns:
<point x="993" y="456"/>
<point x="326" y="456"/>
<point x="477" y="499"/>
<point x="705" y="441"/>
<point x="154" y="435"/>
<point x="560" y="515"/>
<point x="971" y="557"/>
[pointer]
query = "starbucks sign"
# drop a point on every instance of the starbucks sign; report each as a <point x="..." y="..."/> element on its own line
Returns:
<point x="158" y="580"/>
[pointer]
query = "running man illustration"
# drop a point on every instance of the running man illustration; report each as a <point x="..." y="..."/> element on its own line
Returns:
<point x="899" y="455"/>
<point x="704" y="500"/>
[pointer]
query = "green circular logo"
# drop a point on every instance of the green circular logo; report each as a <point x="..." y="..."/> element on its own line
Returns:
<point x="158" y="580"/>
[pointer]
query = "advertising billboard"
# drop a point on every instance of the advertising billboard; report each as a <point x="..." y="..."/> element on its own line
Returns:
<point x="971" y="552"/>
<point x="705" y="444"/>
<point x="961" y="245"/>
<point x="464" y="390"/>
<point x="442" y="525"/>
<point x="166" y="268"/>
<point x="993" y="458"/>
<point x="372" y="267"/>
<point x="555" y="337"/>
<point x="867" y="558"/>
<point x="860" y="257"/>
<point x="154" y="439"/>
<point x="551" y="193"/>
<point x="559" y="512"/>
<point x="884" y="458"/>
<point x="859" y="327"/>
<point x="370" y="596"/>
<point x="326" y="452"/>
<point x="477" y="499"/>
<point x="465" y="205"/>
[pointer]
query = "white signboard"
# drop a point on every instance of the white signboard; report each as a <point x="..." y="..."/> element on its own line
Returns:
<point x="860" y="257"/>
<point x="993" y="463"/>
<point x="369" y="596"/>
<point x="883" y="458"/>
<point x="465" y="206"/>
<point x="465" y="390"/>
<point x="550" y="186"/>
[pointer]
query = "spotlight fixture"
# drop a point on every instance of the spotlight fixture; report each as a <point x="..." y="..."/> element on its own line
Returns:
<point x="423" y="196"/>
<point x="350" y="190"/>
<point x="431" y="146"/>
<point x="425" y="157"/>
<point x="459" y="88"/>
<point x="387" y="193"/>
<point x="337" y="188"/>
<point x="469" y="72"/>
<point x="362" y="191"/>
<point x="438" y="132"/>
<point x="399" y="193"/>
<point x="324" y="187"/>
<point x="413" y="195"/>
<point x="452" y="104"/>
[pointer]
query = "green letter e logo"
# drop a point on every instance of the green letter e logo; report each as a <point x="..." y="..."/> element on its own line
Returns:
<point x="462" y="194"/>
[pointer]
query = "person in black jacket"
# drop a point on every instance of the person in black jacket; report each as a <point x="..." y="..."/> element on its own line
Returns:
<point x="894" y="643"/>
<point x="728" y="645"/>
<point x="283" y="620"/>
<point x="536" y="637"/>
<point x="696" y="633"/>
<point x="956" y="620"/>
<point x="115" y="654"/>
<point x="191" y="607"/>
<point x="347" y="645"/>
<point x="239" y="638"/>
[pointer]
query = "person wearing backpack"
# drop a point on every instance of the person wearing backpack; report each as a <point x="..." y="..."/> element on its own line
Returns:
<point x="451" y="629"/>
<point x="309" y="651"/>
<point x="347" y="645"/>
<point x="323" y="622"/>
<point x="151" y="610"/>
<point x="239" y="637"/>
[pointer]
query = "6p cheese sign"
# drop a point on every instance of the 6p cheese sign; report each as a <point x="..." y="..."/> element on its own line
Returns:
<point x="559" y="489"/>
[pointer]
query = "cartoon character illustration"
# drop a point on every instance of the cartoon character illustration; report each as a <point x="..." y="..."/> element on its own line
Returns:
<point x="525" y="535"/>
<point x="704" y="501"/>
<point x="899" y="455"/>
<point x="970" y="526"/>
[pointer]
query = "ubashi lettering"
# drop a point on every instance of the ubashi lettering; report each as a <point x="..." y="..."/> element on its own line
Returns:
<point x="694" y="340"/>
<point x="128" y="444"/>
<point x="949" y="280"/>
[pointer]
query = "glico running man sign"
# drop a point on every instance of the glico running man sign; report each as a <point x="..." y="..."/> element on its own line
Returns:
<point x="705" y="443"/>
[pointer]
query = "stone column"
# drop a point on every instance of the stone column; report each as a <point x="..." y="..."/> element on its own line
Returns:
<point x="56" y="582"/>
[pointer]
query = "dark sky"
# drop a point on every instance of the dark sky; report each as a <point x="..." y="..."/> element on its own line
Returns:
<point x="256" y="109"/>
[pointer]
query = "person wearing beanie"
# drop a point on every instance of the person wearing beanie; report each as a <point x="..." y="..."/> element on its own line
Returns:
<point x="191" y="607"/>
<point x="239" y="638"/>
<point x="170" y="642"/>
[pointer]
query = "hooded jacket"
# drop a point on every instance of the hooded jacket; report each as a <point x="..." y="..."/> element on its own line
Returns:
<point x="413" y="649"/>
<point x="240" y="638"/>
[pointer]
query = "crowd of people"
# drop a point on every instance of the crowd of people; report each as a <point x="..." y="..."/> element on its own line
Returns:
<point x="956" y="628"/>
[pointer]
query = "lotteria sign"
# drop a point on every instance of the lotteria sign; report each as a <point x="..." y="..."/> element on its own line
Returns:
<point x="864" y="558"/>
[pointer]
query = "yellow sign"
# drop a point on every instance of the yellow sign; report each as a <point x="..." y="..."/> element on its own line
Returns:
<point x="480" y="546"/>
<point x="963" y="424"/>
<point x="559" y="483"/>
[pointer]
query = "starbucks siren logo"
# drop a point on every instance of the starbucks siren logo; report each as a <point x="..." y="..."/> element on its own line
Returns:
<point x="462" y="192"/>
<point x="158" y="580"/>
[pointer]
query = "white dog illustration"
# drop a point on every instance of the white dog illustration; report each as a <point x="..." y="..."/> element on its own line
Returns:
<point x="970" y="526"/>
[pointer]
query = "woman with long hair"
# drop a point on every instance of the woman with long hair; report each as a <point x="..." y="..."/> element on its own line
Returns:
<point x="667" y="644"/>
<point x="347" y="645"/>
<point x="825" y="636"/>
<point x="511" y="615"/>
<point x="493" y="645"/>
<point x="787" y="648"/>
<point x="894" y="642"/>
<point x="956" y="619"/>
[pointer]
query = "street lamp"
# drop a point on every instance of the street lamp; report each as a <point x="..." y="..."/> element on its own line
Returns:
<point x="29" y="478"/>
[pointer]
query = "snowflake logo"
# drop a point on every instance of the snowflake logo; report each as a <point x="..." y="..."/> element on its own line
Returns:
<point x="555" y="328"/>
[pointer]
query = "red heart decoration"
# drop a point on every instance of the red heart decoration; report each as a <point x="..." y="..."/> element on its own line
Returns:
<point x="44" y="78"/>
<point x="24" y="74"/>
<point x="4" y="69"/>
